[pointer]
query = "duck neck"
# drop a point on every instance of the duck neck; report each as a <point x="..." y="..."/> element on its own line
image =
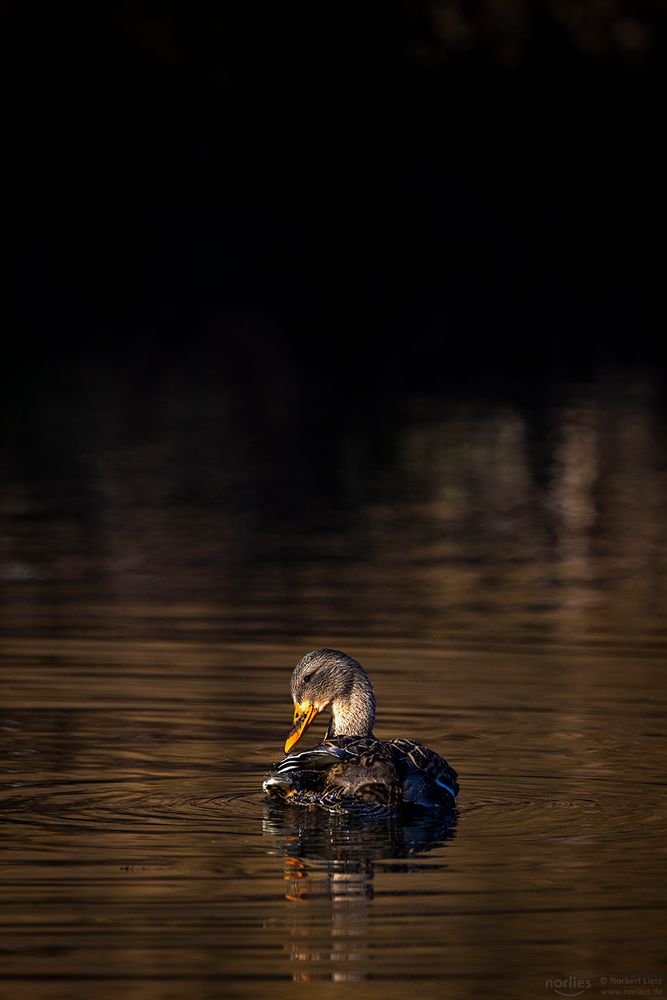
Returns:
<point x="354" y="714"/>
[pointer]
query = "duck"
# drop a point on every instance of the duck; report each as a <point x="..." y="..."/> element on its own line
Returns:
<point x="351" y="770"/>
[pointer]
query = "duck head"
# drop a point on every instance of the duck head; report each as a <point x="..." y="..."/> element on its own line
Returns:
<point x="327" y="680"/>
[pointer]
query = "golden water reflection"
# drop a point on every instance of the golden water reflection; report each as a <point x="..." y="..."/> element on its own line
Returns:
<point x="329" y="871"/>
<point x="462" y="519"/>
<point x="498" y="564"/>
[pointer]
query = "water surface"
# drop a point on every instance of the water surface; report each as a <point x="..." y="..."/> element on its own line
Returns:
<point x="499" y="569"/>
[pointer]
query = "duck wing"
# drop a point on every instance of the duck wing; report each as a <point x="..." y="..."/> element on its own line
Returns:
<point x="426" y="778"/>
<point x="342" y="774"/>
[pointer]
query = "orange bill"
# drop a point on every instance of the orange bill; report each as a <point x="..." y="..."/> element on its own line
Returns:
<point x="303" y="716"/>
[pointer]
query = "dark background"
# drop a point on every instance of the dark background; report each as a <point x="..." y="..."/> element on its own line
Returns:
<point x="377" y="195"/>
<point x="330" y="324"/>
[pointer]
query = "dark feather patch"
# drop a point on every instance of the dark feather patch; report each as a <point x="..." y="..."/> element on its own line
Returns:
<point x="352" y="773"/>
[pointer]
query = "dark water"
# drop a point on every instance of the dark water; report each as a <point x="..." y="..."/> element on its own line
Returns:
<point x="497" y="563"/>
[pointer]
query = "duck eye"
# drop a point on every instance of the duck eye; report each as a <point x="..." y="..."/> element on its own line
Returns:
<point x="307" y="678"/>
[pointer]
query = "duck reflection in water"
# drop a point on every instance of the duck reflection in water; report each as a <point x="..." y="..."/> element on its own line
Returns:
<point x="329" y="864"/>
